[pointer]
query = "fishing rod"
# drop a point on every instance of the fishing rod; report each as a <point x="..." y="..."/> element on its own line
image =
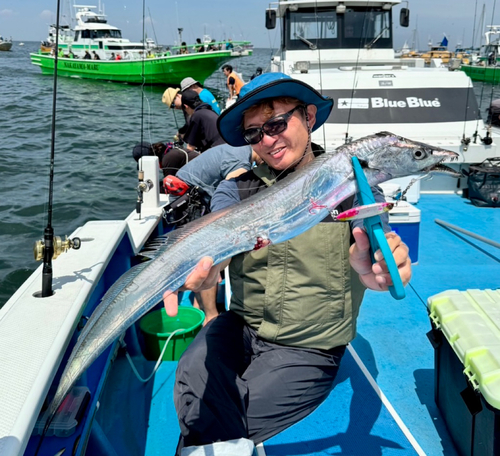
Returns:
<point x="52" y="246"/>
<point x="143" y="186"/>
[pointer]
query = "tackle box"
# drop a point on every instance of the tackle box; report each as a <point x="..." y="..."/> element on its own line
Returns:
<point x="405" y="221"/>
<point x="466" y="340"/>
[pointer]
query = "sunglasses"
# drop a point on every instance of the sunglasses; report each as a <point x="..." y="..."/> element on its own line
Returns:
<point x="272" y="127"/>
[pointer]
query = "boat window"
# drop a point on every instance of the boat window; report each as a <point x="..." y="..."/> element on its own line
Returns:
<point x="363" y="27"/>
<point x="314" y="27"/>
<point x="311" y="28"/>
<point x="97" y="34"/>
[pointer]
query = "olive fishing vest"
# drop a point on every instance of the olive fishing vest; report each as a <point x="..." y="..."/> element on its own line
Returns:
<point x="302" y="292"/>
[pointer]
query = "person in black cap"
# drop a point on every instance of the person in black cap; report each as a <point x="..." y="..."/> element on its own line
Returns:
<point x="272" y="359"/>
<point x="258" y="72"/>
<point x="202" y="130"/>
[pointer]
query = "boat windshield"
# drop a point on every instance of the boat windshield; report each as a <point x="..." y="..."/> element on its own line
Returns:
<point x="97" y="34"/>
<point x="325" y="29"/>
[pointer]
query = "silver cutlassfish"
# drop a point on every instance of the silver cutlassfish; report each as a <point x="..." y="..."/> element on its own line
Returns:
<point x="281" y="212"/>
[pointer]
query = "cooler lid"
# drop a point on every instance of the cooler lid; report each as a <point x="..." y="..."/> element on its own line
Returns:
<point x="470" y="321"/>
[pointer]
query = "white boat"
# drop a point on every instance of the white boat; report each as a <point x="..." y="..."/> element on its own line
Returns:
<point x="372" y="89"/>
<point x="92" y="32"/>
<point x="5" y="44"/>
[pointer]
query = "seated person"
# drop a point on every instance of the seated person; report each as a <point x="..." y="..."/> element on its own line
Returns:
<point x="202" y="133"/>
<point x="172" y="98"/>
<point x="215" y="165"/>
<point x="171" y="158"/>
<point x="205" y="95"/>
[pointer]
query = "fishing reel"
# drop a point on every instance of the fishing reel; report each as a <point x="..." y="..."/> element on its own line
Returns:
<point x="142" y="187"/>
<point x="60" y="246"/>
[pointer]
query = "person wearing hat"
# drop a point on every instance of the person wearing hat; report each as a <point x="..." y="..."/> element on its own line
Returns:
<point x="205" y="95"/>
<point x="272" y="359"/>
<point x="172" y="98"/>
<point x="201" y="133"/>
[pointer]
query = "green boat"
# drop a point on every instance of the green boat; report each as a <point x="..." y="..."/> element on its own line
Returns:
<point x="482" y="73"/>
<point x="169" y="70"/>
<point x="486" y="67"/>
<point x="96" y="50"/>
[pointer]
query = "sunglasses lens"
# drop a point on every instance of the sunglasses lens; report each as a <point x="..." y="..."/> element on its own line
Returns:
<point x="252" y="135"/>
<point x="274" y="127"/>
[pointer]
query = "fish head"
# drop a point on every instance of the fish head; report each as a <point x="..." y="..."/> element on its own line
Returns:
<point x="395" y="156"/>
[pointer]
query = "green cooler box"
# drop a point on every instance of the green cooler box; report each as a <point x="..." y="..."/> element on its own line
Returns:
<point x="466" y="340"/>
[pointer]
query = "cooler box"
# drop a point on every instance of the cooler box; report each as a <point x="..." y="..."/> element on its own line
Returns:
<point x="405" y="221"/>
<point x="466" y="340"/>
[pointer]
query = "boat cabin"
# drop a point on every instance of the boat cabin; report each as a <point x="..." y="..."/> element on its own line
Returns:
<point x="336" y="28"/>
<point x="93" y="32"/>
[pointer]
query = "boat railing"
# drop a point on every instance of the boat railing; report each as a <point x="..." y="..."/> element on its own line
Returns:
<point x="221" y="46"/>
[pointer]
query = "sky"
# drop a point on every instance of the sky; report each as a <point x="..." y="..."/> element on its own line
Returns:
<point x="28" y="20"/>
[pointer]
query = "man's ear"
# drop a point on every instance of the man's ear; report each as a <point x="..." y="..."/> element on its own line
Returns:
<point x="311" y="114"/>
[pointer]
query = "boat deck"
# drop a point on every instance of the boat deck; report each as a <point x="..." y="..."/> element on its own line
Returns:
<point x="383" y="403"/>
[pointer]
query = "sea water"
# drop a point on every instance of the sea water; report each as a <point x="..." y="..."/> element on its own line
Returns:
<point x="97" y="125"/>
<point x="95" y="176"/>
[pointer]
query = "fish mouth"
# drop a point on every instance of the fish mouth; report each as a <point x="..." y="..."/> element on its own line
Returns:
<point x="443" y="169"/>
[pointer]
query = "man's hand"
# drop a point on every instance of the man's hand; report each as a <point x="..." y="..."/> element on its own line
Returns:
<point x="204" y="276"/>
<point x="376" y="276"/>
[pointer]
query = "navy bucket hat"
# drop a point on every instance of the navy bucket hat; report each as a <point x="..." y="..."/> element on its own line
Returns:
<point x="265" y="86"/>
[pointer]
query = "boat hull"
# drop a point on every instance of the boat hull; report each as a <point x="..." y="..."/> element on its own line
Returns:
<point x="482" y="73"/>
<point x="160" y="70"/>
<point x="6" y="46"/>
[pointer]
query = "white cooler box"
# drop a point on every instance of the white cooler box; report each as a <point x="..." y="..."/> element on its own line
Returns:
<point x="405" y="221"/>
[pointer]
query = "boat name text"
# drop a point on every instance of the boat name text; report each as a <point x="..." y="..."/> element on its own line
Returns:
<point x="411" y="102"/>
<point x="82" y="66"/>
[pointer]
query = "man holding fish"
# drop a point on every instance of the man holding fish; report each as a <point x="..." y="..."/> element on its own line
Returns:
<point x="272" y="358"/>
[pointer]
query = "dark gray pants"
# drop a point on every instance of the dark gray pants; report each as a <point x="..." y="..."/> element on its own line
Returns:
<point x="231" y="384"/>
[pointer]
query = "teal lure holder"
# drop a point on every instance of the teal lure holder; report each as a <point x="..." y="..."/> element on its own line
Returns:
<point x="375" y="231"/>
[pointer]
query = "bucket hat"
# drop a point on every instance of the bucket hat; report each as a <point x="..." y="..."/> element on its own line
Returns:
<point x="186" y="83"/>
<point x="266" y="86"/>
<point x="169" y="96"/>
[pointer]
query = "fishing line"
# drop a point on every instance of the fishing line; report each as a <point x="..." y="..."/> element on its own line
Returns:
<point x="142" y="74"/>
<point x="319" y="64"/>
<point x="495" y="65"/>
<point x="364" y="32"/>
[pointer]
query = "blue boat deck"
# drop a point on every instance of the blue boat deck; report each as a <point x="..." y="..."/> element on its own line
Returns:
<point x="383" y="403"/>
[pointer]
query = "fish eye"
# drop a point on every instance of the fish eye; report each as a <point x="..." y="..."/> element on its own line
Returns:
<point x="419" y="154"/>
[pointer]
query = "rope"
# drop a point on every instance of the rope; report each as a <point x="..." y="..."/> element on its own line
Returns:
<point x="157" y="365"/>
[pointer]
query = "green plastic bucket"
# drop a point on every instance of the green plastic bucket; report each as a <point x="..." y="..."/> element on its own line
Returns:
<point x="157" y="327"/>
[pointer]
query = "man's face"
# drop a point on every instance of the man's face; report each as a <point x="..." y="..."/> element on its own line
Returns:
<point x="286" y="149"/>
<point x="226" y="71"/>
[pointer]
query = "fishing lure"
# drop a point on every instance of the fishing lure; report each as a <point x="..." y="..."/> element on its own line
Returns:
<point x="362" y="212"/>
